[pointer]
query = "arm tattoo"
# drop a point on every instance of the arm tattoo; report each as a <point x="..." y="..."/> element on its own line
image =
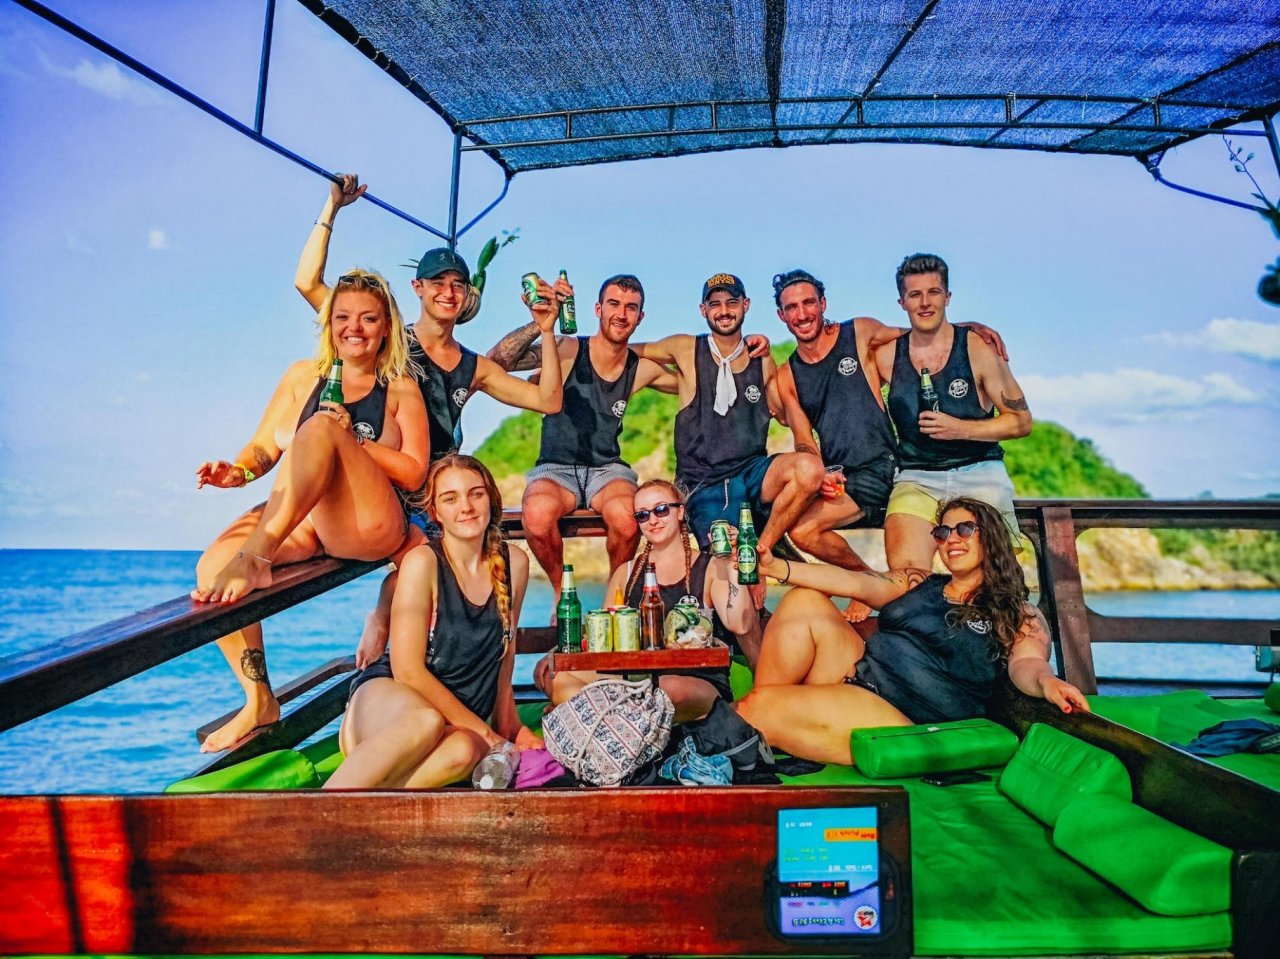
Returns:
<point x="253" y="663"/>
<point x="805" y="448"/>
<point x="519" y="349"/>
<point x="261" y="461"/>
<point x="1014" y="404"/>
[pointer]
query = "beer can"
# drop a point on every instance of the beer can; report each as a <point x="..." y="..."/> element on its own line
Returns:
<point x="530" y="284"/>
<point x="626" y="630"/>
<point x="721" y="541"/>
<point x="599" y="631"/>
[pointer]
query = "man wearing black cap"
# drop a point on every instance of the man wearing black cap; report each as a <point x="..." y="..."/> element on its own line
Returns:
<point x="727" y="398"/>
<point x="451" y="373"/>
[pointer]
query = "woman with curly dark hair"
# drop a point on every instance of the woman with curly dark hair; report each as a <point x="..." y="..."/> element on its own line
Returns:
<point x="940" y="645"/>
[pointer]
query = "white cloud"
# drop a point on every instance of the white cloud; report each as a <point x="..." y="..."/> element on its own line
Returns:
<point x="106" y="78"/>
<point x="1131" y="395"/>
<point x="1251" y="338"/>
<point x="157" y="239"/>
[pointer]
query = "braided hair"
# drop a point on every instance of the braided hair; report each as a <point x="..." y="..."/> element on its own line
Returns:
<point x="495" y="552"/>
<point x="642" y="561"/>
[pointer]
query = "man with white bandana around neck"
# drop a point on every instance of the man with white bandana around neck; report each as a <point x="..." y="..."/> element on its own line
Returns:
<point x="727" y="398"/>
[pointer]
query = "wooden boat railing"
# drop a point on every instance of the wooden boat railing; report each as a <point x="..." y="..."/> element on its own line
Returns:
<point x="41" y="680"/>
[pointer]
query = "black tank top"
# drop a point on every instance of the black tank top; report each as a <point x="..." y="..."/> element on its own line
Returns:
<point x="711" y="447"/>
<point x="367" y="413"/>
<point x="957" y="390"/>
<point x="585" y="431"/>
<point x="929" y="668"/>
<point x="675" y="593"/>
<point x="444" y="392"/>
<point x="840" y="404"/>
<point x="465" y="649"/>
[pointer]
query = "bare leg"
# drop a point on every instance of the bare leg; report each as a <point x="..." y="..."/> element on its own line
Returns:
<point x="544" y="504"/>
<point x="622" y="533"/>
<point x="815" y="532"/>
<point x="814" y="722"/>
<point x="564" y="685"/>
<point x="327" y="478"/>
<point x="243" y="649"/>
<point x="808" y="642"/>
<point x="790" y="484"/>
<point x="751" y="639"/>
<point x="692" y="697"/>
<point x="908" y="542"/>
<point x="452" y="760"/>
<point x="386" y="734"/>
<point x="377" y="625"/>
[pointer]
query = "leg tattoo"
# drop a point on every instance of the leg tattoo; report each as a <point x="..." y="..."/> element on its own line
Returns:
<point x="253" y="663"/>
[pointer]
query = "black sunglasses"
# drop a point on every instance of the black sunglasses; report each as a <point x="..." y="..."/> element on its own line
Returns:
<point x="360" y="279"/>
<point x="963" y="530"/>
<point x="660" y="510"/>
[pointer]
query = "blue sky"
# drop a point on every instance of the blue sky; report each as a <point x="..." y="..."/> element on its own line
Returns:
<point x="149" y="253"/>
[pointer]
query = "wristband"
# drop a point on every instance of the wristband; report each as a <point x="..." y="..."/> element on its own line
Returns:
<point x="248" y="473"/>
<point x="327" y="226"/>
<point x="786" y="579"/>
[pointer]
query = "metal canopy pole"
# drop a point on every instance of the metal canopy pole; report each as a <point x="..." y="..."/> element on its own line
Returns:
<point x="453" y="190"/>
<point x="1152" y="163"/>
<point x="264" y="66"/>
<point x="1269" y="128"/>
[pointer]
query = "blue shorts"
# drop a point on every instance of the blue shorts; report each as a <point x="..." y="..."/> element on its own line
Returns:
<point x="722" y="499"/>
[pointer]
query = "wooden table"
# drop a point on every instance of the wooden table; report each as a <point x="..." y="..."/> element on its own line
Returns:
<point x="644" y="661"/>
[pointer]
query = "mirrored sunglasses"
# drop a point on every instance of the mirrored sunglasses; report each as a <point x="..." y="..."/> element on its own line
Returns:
<point x="963" y="530"/>
<point x="659" y="510"/>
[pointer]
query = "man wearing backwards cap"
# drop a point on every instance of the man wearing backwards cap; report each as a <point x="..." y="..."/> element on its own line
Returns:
<point x="726" y="401"/>
<point x="451" y="373"/>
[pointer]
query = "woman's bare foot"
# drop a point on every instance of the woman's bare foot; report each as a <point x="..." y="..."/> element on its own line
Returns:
<point x="856" y="612"/>
<point x="252" y="716"/>
<point x="242" y="575"/>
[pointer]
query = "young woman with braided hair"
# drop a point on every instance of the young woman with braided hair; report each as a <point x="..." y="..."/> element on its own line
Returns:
<point x="429" y="709"/>
<point x="707" y="581"/>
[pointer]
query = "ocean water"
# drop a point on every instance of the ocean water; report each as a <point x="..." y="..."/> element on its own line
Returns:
<point x="139" y="735"/>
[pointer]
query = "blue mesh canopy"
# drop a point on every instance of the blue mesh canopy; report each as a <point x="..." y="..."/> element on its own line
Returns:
<point x="550" y="83"/>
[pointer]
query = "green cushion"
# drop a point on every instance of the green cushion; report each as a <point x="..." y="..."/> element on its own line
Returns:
<point x="282" y="769"/>
<point x="1272" y="697"/>
<point x="741" y="679"/>
<point x="531" y="713"/>
<point x="988" y="881"/>
<point x="1051" y="769"/>
<point x="886" y="752"/>
<point x="1166" y="868"/>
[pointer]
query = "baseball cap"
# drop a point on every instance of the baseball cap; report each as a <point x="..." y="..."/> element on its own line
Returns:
<point x="723" y="281"/>
<point x="442" y="260"/>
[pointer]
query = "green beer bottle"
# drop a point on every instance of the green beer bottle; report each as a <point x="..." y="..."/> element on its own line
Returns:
<point x="928" y="395"/>
<point x="748" y="558"/>
<point x="568" y="615"/>
<point x="568" y="315"/>
<point x="332" y="392"/>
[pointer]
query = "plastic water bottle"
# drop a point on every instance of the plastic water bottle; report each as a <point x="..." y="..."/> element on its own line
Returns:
<point x="498" y="769"/>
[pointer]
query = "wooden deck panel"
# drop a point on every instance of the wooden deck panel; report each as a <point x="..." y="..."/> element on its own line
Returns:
<point x="539" y="872"/>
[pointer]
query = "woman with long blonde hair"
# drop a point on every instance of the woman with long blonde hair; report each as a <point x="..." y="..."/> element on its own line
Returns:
<point x="340" y="466"/>
<point x="430" y="708"/>
<point x="683" y="576"/>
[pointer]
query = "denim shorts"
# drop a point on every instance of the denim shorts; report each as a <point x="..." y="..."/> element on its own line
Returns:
<point x="722" y="499"/>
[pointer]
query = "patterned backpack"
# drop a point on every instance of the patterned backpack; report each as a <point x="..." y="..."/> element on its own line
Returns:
<point x="609" y="730"/>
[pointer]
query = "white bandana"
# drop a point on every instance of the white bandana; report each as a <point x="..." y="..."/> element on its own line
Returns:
<point x="726" y="389"/>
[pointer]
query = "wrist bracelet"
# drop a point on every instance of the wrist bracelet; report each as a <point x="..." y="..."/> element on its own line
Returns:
<point x="327" y="226"/>
<point x="249" y="476"/>
<point x="786" y="579"/>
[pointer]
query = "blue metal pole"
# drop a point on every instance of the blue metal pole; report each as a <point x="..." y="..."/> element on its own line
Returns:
<point x="453" y="190"/>
<point x="1269" y="128"/>
<point x="485" y="212"/>
<point x="264" y="66"/>
<point x="1153" y="167"/>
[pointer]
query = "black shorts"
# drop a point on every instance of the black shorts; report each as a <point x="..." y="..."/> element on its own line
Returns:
<point x="869" y="486"/>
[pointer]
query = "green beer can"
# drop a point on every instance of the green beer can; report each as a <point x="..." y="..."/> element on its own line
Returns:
<point x="529" y="282"/>
<point x="721" y="541"/>
<point x="599" y="631"/>
<point x="626" y="630"/>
